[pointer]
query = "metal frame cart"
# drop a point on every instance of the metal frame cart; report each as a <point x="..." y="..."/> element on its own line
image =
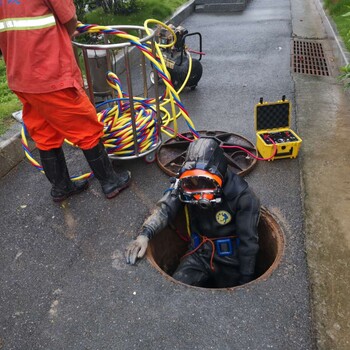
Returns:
<point x="105" y="52"/>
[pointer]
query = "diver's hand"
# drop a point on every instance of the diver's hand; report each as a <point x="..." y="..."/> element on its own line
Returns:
<point x="136" y="249"/>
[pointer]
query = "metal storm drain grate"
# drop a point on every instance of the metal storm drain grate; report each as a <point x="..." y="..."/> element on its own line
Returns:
<point x="308" y="58"/>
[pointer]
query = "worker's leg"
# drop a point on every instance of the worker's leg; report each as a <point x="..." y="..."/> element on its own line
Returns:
<point x="54" y="165"/>
<point x="69" y="114"/>
<point x="45" y="136"/>
<point x="100" y="164"/>
<point x="49" y="142"/>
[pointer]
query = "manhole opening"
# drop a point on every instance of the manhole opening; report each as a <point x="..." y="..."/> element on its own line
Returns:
<point x="308" y="58"/>
<point x="167" y="248"/>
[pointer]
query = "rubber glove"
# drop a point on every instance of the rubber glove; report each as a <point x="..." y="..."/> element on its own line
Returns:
<point x="136" y="249"/>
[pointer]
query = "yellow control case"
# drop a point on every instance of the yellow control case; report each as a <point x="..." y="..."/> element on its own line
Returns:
<point x="272" y="123"/>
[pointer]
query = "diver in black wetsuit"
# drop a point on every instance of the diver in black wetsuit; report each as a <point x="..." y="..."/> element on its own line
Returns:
<point x="223" y="217"/>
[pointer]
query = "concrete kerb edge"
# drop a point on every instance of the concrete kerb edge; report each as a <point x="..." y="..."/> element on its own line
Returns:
<point x="11" y="151"/>
<point x="182" y="13"/>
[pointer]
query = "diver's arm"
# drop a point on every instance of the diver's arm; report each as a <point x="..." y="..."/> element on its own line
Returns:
<point x="166" y="209"/>
<point x="247" y="218"/>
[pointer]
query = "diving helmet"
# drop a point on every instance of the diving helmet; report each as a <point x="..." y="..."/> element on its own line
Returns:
<point x="201" y="177"/>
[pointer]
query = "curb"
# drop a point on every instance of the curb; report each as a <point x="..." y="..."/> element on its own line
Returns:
<point x="205" y="6"/>
<point x="11" y="151"/>
<point x="182" y="13"/>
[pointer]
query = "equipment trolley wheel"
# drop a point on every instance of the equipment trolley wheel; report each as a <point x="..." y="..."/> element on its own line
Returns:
<point x="171" y="154"/>
<point x="150" y="157"/>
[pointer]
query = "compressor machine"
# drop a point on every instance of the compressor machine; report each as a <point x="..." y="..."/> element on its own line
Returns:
<point x="176" y="56"/>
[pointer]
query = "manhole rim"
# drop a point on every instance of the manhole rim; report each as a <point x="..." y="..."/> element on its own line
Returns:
<point x="280" y="252"/>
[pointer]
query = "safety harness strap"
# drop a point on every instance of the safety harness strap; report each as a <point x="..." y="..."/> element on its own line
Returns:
<point x="27" y="23"/>
<point x="212" y="241"/>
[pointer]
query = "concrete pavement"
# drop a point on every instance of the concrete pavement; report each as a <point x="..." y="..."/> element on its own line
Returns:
<point x="324" y="123"/>
<point x="64" y="283"/>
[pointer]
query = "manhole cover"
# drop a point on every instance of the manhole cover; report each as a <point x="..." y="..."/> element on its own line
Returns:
<point x="308" y="58"/>
<point x="171" y="154"/>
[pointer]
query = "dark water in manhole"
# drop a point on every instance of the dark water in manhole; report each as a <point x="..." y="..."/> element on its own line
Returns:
<point x="167" y="248"/>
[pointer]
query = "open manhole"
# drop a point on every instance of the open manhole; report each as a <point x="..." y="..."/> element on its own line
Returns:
<point x="166" y="248"/>
<point x="171" y="154"/>
<point x="308" y="57"/>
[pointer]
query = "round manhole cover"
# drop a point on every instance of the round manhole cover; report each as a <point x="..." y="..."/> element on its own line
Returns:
<point x="171" y="154"/>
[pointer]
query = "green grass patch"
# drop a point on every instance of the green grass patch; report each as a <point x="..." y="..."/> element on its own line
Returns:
<point x="147" y="9"/>
<point x="337" y="9"/>
<point x="9" y="102"/>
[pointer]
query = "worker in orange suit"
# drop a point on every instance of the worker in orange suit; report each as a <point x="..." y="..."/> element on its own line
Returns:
<point x="35" y="40"/>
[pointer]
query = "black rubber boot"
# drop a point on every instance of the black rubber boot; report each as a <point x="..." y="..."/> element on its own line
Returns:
<point x="55" y="167"/>
<point x="111" y="182"/>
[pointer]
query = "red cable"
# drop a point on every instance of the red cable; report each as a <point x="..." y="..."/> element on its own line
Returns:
<point x="184" y="238"/>
<point x="197" y="52"/>
<point x="211" y="241"/>
<point x="254" y="156"/>
<point x="238" y="147"/>
<point x="204" y="240"/>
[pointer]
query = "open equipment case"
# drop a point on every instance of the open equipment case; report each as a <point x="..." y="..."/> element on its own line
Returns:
<point x="272" y="123"/>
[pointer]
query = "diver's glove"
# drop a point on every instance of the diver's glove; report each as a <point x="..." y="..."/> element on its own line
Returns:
<point x="136" y="248"/>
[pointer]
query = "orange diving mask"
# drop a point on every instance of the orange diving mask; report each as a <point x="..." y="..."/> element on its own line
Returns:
<point x="200" y="187"/>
